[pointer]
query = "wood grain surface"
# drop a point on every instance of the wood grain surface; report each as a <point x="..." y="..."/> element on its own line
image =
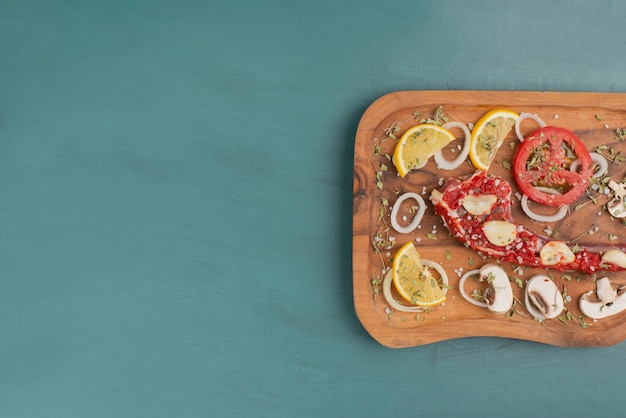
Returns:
<point x="594" y="117"/>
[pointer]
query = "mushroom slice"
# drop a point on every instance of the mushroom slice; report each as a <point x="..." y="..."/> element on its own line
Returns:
<point x="605" y="292"/>
<point x="592" y="305"/>
<point x="542" y="298"/>
<point x="498" y="295"/>
<point x="617" y="205"/>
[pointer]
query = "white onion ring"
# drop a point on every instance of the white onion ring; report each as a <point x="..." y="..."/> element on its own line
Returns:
<point x="421" y="209"/>
<point x="523" y="116"/>
<point x="391" y="301"/>
<point x="403" y="308"/>
<point x="440" y="270"/>
<point x="560" y="214"/>
<point x="465" y="295"/>
<point x="451" y="165"/>
<point x="598" y="159"/>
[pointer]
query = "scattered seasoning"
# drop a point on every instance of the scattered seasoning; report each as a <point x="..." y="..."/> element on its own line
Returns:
<point x="470" y="261"/>
<point x="588" y="231"/>
<point x="612" y="155"/>
<point x="379" y="181"/>
<point x="582" y="323"/>
<point x="598" y="117"/>
<point x="431" y="236"/>
<point x="506" y="164"/>
<point x="448" y="255"/>
<point x="392" y="130"/>
<point x="620" y="134"/>
<point x="375" y="285"/>
<point x="438" y="119"/>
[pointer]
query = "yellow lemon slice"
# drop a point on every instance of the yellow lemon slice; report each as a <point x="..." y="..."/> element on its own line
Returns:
<point x="417" y="145"/>
<point x="488" y="134"/>
<point x="412" y="280"/>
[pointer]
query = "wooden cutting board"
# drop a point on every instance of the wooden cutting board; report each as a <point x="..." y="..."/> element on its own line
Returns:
<point x="594" y="117"/>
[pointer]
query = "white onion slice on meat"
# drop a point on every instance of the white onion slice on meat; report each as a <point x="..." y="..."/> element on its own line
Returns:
<point x="560" y="214"/>
<point x="393" y="304"/>
<point x="603" y="165"/>
<point x="421" y="209"/>
<point x="465" y="295"/>
<point x="524" y="116"/>
<point x="451" y="165"/>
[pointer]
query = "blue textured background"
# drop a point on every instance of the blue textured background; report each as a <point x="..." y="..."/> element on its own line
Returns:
<point x="175" y="205"/>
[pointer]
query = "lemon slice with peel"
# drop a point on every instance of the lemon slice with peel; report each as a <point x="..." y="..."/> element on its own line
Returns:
<point x="417" y="145"/>
<point x="488" y="135"/>
<point x="413" y="280"/>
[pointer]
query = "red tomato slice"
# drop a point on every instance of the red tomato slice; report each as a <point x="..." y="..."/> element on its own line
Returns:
<point x="543" y="161"/>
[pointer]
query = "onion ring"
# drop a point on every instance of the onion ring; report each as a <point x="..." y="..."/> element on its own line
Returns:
<point x="603" y="165"/>
<point x="392" y="302"/>
<point x="560" y="214"/>
<point x="441" y="271"/>
<point x="465" y="295"/>
<point x="523" y="116"/>
<point x="421" y="209"/>
<point x="451" y="165"/>
<point x="403" y="308"/>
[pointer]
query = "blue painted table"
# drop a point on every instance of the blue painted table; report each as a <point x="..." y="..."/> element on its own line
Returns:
<point x="175" y="205"/>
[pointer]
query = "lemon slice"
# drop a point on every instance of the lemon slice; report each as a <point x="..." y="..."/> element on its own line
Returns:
<point x="488" y="134"/>
<point x="412" y="280"/>
<point x="418" y="144"/>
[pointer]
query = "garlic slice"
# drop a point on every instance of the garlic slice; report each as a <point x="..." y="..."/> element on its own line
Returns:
<point x="556" y="252"/>
<point x="479" y="204"/>
<point x="615" y="257"/>
<point x="500" y="233"/>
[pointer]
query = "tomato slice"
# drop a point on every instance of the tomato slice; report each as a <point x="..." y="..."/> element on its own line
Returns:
<point x="543" y="162"/>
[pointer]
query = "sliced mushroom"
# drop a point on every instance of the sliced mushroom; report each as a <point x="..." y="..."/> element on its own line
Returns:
<point x="592" y="304"/>
<point x="556" y="252"/>
<point x="605" y="291"/>
<point x="498" y="295"/>
<point x="617" y="205"/>
<point x="479" y="204"/>
<point x="542" y="298"/>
